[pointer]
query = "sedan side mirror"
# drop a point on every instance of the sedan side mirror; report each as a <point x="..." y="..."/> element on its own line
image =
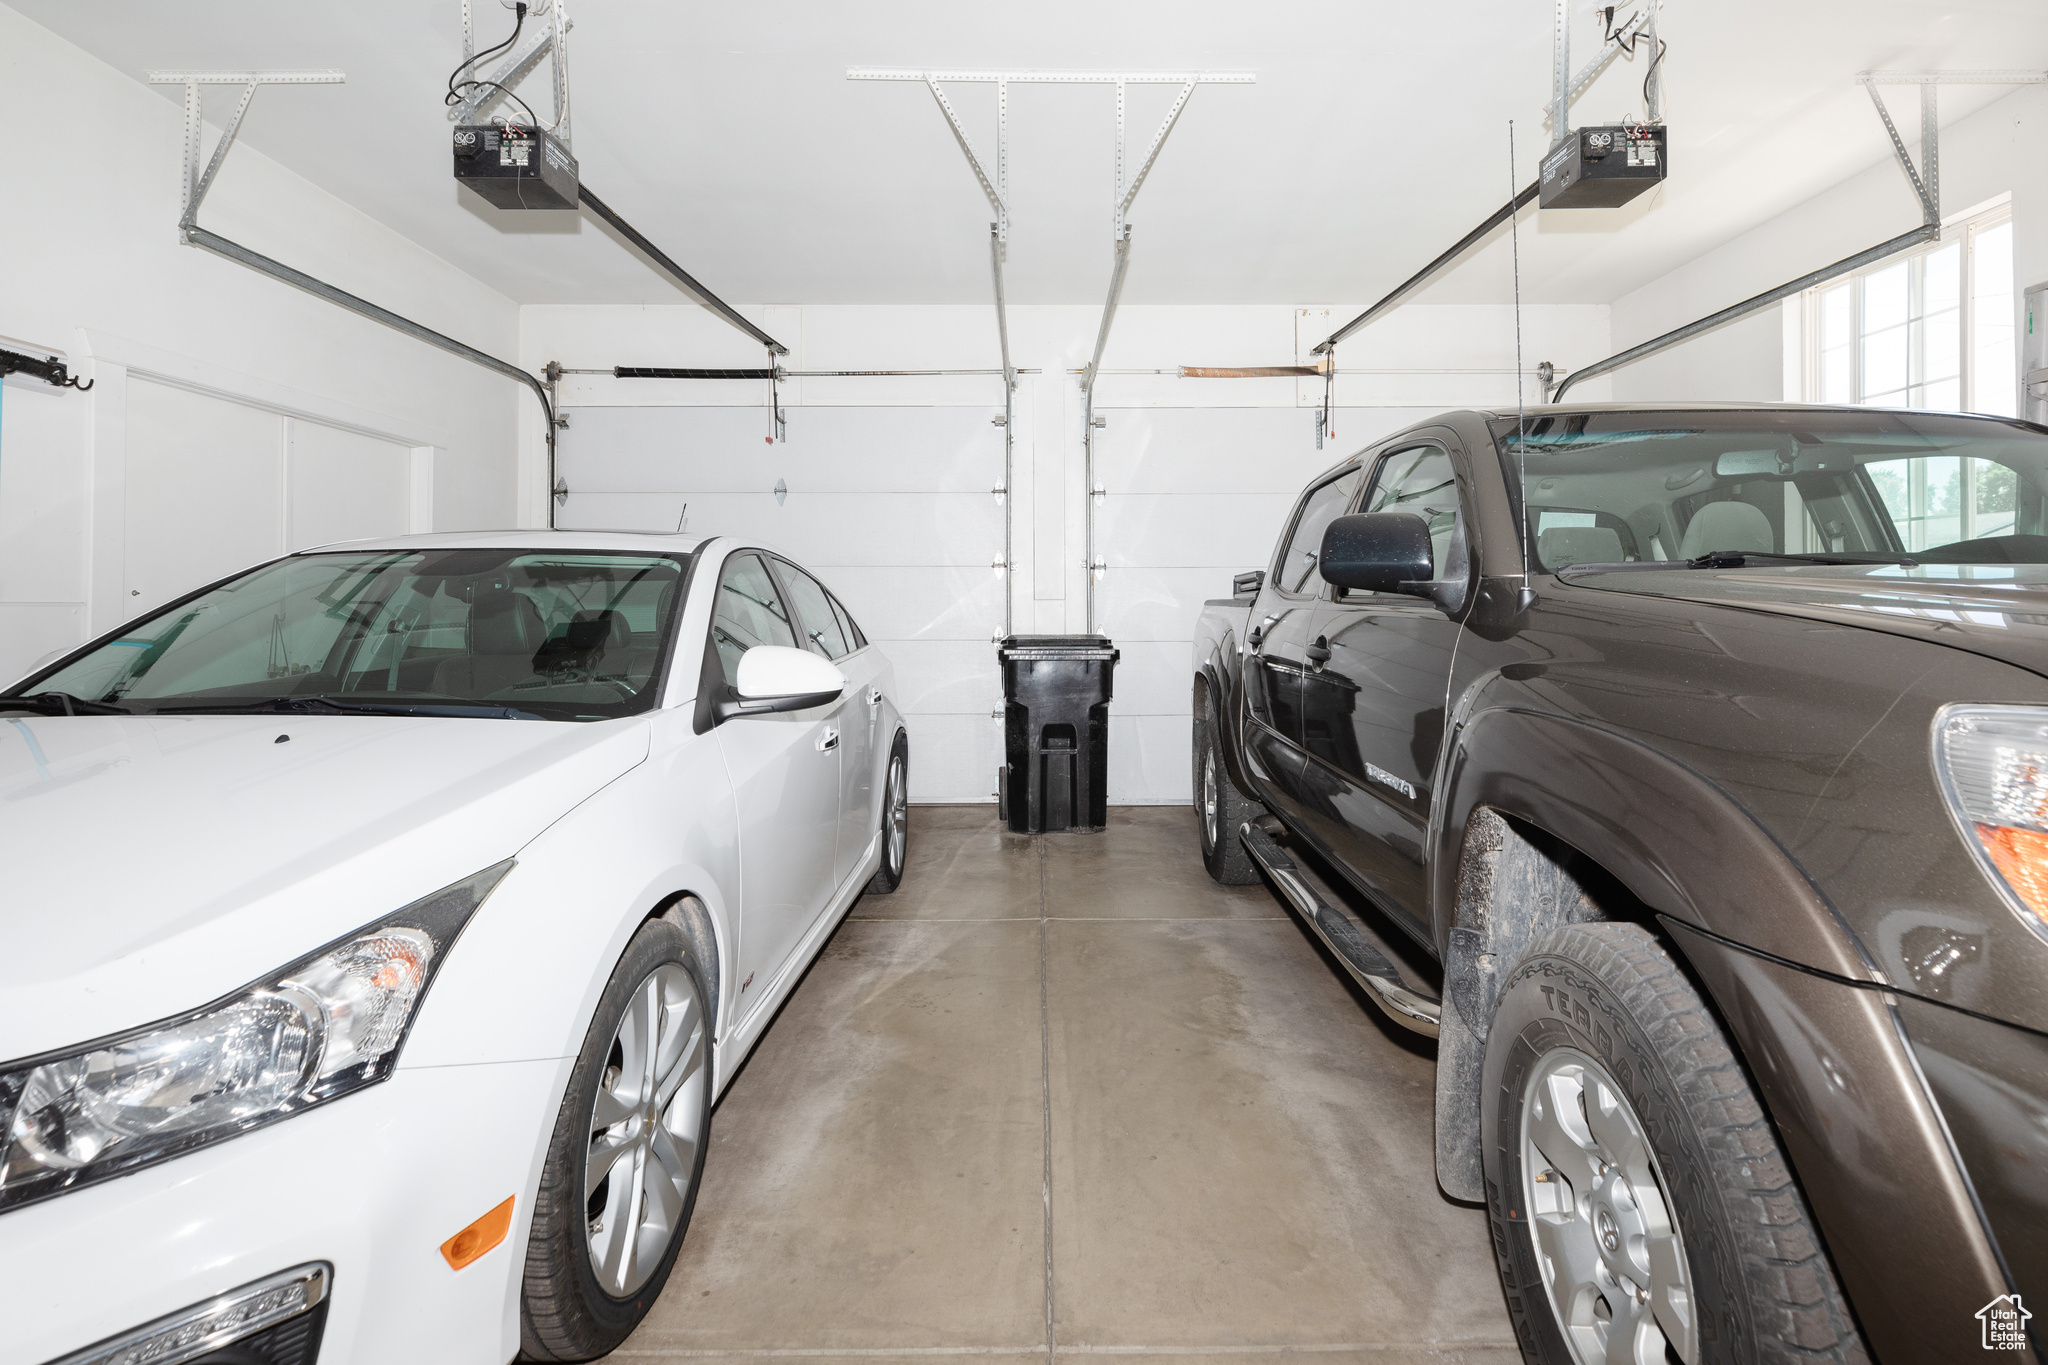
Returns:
<point x="777" y="678"/>
<point x="1380" y="552"/>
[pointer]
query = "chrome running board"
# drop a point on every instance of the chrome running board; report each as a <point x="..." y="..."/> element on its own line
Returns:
<point x="1409" y="1008"/>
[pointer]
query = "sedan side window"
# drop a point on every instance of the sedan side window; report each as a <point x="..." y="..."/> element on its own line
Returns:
<point x="853" y="635"/>
<point x="814" y="610"/>
<point x="1324" y="504"/>
<point x="749" y="612"/>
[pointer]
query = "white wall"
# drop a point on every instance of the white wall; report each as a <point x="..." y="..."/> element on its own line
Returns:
<point x="90" y="266"/>
<point x="1995" y="151"/>
<point x="1198" y="474"/>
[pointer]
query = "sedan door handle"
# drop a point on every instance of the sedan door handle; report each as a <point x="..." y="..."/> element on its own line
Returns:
<point x="1319" y="652"/>
<point x="827" y="741"/>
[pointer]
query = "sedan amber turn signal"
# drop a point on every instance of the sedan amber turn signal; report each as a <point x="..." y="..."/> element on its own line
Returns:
<point x="479" y="1237"/>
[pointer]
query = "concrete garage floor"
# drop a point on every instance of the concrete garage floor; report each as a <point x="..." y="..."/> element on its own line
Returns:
<point x="1237" y="1149"/>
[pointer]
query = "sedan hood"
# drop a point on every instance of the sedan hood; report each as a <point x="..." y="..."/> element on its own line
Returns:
<point x="150" y="864"/>
<point x="1997" y="610"/>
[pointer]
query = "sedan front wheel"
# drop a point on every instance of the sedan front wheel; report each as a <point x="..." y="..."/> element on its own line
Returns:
<point x="623" y="1168"/>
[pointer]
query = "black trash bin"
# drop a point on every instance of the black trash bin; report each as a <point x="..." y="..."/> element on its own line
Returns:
<point x="1056" y="691"/>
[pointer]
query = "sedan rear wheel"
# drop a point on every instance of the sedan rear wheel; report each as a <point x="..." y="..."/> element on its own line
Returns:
<point x="895" y="822"/>
<point x="627" y="1155"/>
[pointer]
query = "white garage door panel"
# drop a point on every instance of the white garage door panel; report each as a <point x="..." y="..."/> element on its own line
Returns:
<point x="1219" y="450"/>
<point x="820" y="530"/>
<point x="946" y="675"/>
<point x="205" y="492"/>
<point x="1180" y="530"/>
<point x="1153" y="677"/>
<point x="890" y="507"/>
<point x="830" y="450"/>
<point x="622" y="511"/>
<point x="344" y="486"/>
<point x="1149" y="757"/>
<point x="921" y="604"/>
<point x="1159" y="604"/>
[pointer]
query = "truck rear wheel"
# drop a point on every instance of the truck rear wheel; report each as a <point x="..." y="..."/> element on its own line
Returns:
<point x="1641" y="1207"/>
<point x="1220" y="811"/>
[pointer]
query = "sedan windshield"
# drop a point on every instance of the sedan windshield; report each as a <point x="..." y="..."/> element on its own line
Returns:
<point x="525" y="634"/>
<point x="1780" y="486"/>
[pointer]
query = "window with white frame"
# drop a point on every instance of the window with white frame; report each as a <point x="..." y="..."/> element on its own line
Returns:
<point x="1931" y="329"/>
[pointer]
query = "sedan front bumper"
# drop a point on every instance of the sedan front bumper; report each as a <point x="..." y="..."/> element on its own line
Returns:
<point x="371" y="1184"/>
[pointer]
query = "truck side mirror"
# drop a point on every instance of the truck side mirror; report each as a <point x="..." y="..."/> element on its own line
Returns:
<point x="1379" y="552"/>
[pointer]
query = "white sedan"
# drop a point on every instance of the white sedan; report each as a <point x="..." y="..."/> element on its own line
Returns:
<point x="380" y="925"/>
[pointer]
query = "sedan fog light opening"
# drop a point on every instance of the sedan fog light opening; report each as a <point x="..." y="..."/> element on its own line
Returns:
<point x="1992" y="763"/>
<point x="324" y="1026"/>
<point x="206" y="1327"/>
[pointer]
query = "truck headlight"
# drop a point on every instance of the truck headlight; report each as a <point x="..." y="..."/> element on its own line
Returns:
<point x="1992" y="762"/>
<point x="326" y="1025"/>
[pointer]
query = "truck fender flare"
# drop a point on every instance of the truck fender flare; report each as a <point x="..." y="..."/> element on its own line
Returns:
<point x="1219" y="698"/>
<point x="1525" y="795"/>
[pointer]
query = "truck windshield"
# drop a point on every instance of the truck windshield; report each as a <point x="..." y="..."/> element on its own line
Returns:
<point x="1615" y="487"/>
<point x="540" y="635"/>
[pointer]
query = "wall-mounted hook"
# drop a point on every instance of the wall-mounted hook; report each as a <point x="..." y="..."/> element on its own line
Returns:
<point x="49" y="369"/>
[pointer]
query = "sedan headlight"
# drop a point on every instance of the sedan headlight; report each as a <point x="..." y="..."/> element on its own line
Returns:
<point x="1992" y="762"/>
<point x="327" y="1024"/>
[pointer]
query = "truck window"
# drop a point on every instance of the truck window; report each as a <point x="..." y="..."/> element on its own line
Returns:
<point x="1419" y="480"/>
<point x="1296" y="570"/>
<point x="1953" y="489"/>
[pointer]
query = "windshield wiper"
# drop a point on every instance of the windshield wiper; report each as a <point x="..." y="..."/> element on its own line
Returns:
<point x="62" y="704"/>
<point x="331" y="706"/>
<point x="1736" y="559"/>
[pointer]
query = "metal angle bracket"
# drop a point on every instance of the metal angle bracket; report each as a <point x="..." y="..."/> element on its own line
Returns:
<point x="196" y="181"/>
<point x="1926" y="177"/>
<point x="551" y="42"/>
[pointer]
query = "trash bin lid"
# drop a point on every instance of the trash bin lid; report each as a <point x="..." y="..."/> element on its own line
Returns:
<point x="1056" y="647"/>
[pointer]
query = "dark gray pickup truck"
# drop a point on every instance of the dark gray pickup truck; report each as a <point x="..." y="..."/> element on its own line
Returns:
<point x="1684" y="772"/>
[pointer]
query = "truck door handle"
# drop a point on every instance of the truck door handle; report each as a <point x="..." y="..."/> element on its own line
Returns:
<point x="828" y="741"/>
<point x="1319" y="652"/>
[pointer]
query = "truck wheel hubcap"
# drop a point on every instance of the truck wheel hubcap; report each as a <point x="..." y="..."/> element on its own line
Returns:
<point x="645" y="1126"/>
<point x="1610" y="1253"/>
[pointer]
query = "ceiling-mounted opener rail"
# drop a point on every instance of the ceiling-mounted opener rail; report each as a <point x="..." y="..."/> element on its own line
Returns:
<point x="1925" y="180"/>
<point x="1565" y="89"/>
<point x="545" y="181"/>
<point x="198" y="182"/>
<point x="997" y="191"/>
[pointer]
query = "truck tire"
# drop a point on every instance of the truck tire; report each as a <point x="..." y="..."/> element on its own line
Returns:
<point x="1633" y="1180"/>
<point x="1220" y="811"/>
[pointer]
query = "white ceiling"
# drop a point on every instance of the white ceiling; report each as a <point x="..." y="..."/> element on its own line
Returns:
<point x="1375" y="136"/>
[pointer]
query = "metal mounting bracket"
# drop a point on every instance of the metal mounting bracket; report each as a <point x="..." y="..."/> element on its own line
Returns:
<point x="551" y="42"/>
<point x="191" y="234"/>
<point x="997" y="192"/>
<point x="197" y="182"/>
<point x="1925" y="180"/>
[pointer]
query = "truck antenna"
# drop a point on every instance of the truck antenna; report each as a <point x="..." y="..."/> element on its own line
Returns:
<point x="1525" y="598"/>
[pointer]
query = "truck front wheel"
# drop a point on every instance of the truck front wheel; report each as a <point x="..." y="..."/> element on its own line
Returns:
<point x="1220" y="810"/>
<point x="1641" y="1207"/>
